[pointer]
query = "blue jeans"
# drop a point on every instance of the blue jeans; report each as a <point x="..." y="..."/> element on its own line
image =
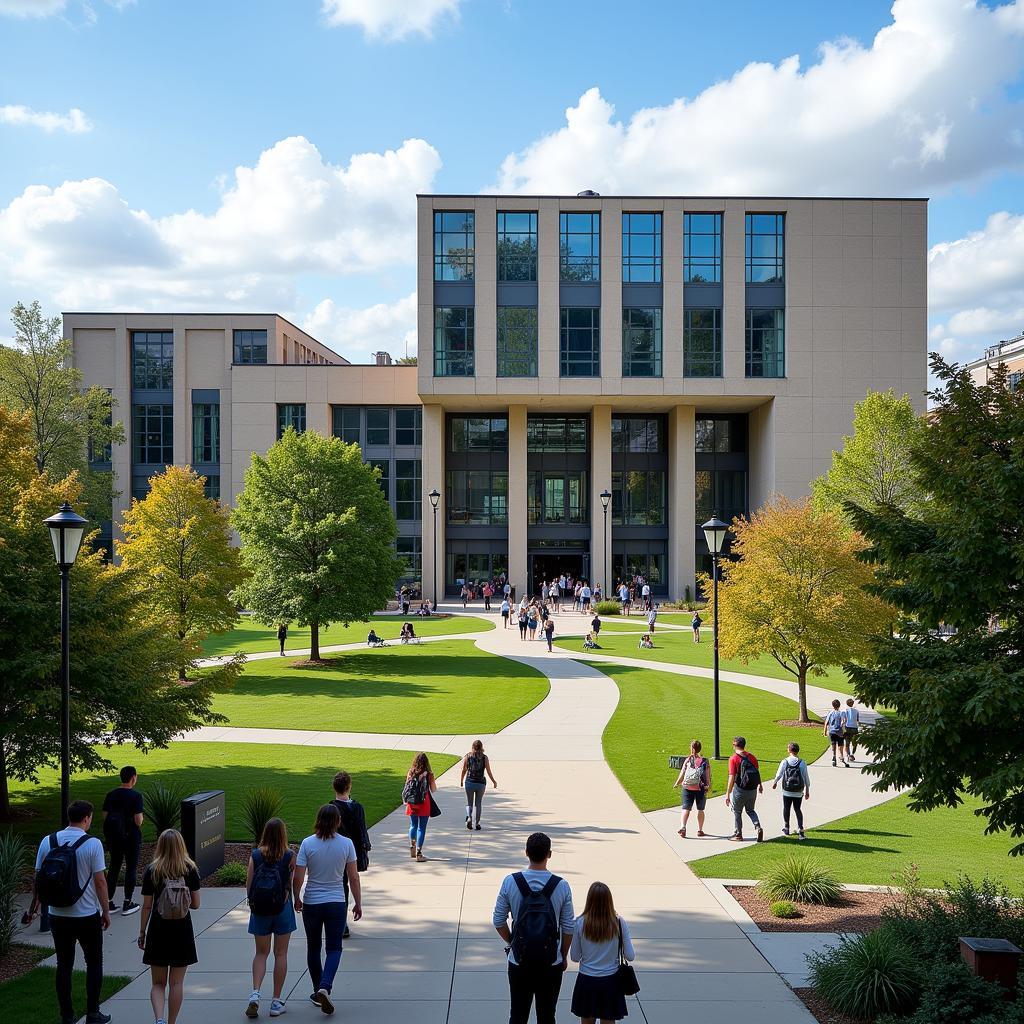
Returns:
<point x="418" y="829"/>
<point x="328" y="918"/>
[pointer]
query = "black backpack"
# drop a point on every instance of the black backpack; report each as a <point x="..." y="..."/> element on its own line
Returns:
<point x="268" y="893"/>
<point x="792" y="776"/>
<point x="415" y="790"/>
<point x="747" y="776"/>
<point x="57" y="882"/>
<point x="535" y="931"/>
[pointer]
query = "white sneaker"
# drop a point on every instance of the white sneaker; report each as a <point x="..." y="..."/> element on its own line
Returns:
<point x="277" y="1007"/>
<point x="252" y="1011"/>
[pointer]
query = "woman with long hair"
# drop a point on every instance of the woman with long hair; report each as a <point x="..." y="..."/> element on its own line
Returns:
<point x="474" y="765"/>
<point x="598" y="936"/>
<point x="170" y="891"/>
<point x="695" y="779"/>
<point x="271" y="911"/>
<point x="419" y="784"/>
<point x="324" y="859"/>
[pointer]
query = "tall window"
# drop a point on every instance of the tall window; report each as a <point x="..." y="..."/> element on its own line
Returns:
<point x="641" y="342"/>
<point x="517" y="341"/>
<point x="408" y="484"/>
<point x="579" y="246"/>
<point x="205" y="433"/>
<point x="556" y="498"/>
<point x="555" y="434"/>
<point x="766" y="248"/>
<point x="637" y="434"/>
<point x="153" y="435"/>
<point x="385" y="475"/>
<point x="291" y="414"/>
<point x="720" y="435"/>
<point x="153" y="360"/>
<point x="378" y="427"/>
<point x="702" y="343"/>
<point x="702" y="248"/>
<point x="580" y="342"/>
<point x="721" y="492"/>
<point x="453" y="341"/>
<point x="638" y="498"/>
<point x="408" y="549"/>
<point x="766" y="347"/>
<point x="641" y="247"/>
<point x="345" y="423"/>
<point x="477" y="497"/>
<point x="211" y="486"/>
<point x="454" y="245"/>
<point x="478" y="434"/>
<point x="647" y="558"/>
<point x="408" y="425"/>
<point x="517" y="247"/>
<point x="250" y="346"/>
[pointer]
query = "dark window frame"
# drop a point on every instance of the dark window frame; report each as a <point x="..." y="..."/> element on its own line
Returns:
<point x="519" y="360"/>
<point x="152" y="360"/>
<point x="707" y="362"/>
<point x="577" y="362"/>
<point x="767" y="266"/>
<point x="454" y="263"/>
<point x="290" y="414"/>
<point x="765" y="345"/>
<point x="582" y="267"/>
<point x="695" y="265"/>
<point x="517" y="248"/>
<point x="205" y="433"/>
<point x="635" y="362"/>
<point x="454" y="343"/>
<point x="246" y="346"/>
<point x="641" y="267"/>
<point x="152" y="433"/>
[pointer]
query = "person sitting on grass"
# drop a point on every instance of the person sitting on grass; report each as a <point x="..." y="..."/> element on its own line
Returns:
<point x="372" y="640"/>
<point x="409" y="633"/>
<point x="646" y="643"/>
<point x="590" y="643"/>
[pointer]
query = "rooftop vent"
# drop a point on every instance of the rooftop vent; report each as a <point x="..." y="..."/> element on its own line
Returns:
<point x="382" y="358"/>
<point x="588" y="193"/>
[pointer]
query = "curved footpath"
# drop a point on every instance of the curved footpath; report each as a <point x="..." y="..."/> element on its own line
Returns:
<point x="426" y="947"/>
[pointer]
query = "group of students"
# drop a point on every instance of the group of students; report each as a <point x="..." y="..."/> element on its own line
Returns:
<point x="407" y="635"/>
<point x="532" y="615"/>
<point x="558" y="592"/>
<point x="635" y="591"/>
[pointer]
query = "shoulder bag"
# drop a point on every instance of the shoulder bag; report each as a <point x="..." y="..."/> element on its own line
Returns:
<point x="625" y="974"/>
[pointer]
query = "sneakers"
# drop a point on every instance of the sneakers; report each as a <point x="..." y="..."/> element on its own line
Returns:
<point x="420" y="858"/>
<point x="800" y="834"/>
<point x="846" y="764"/>
<point x="412" y="850"/>
<point x="736" y="837"/>
<point x="833" y="762"/>
<point x="785" y="831"/>
<point x="112" y="907"/>
<point x="128" y="908"/>
<point x="760" y="834"/>
<point x="346" y="934"/>
<point x="277" y="1007"/>
<point x="98" y="1018"/>
<point x="478" y="826"/>
<point x="252" y="1011"/>
<point x="469" y="825"/>
<point x="323" y="1000"/>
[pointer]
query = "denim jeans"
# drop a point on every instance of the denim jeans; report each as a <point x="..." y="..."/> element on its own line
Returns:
<point x="743" y="800"/>
<point x="326" y="920"/>
<point x="418" y="829"/>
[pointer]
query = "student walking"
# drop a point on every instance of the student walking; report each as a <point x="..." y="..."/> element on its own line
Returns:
<point x="695" y="623"/>
<point x="744" y="785"/>
<point x="796" y="788"/>
<point x="645" y="593"/>
<point x="595" y="625"/>
<point x="531" y="621"/>
<point x="652" y="618"/>
<point x="323" y="861"/>
<point x="465" y="594"/>
<point x="585" y="598"/>
<point x="488" y="594"/>
<point x="540" y="907"/>
<point x="282" y="636"/>
<point x="419" y="784"/>
<point x="523" y="622"/>
<point x="71" y="882"/>
<point x="268" y="884"/>
<point x="852" y="730"/>
<point x="600" y="941"/>
<point x="834" y="727"/>
<point x="353" y="825"/>
<point x="549" y="632"/>
<point x="122" y="830"/>
<point x="695" y="779"/>
<point x="170" y="891"/>
<point x="474" y="766"/>
<point x="506" y="610"/>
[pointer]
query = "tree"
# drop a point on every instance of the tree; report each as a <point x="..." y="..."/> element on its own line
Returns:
<point x="955" y="560"/>
<point x="407" y="360"/>
<point x="317" y="535"/>
<point x="179" y="541"/>
<point x="67" y="421"/>
<point x="124" y="686"/>
<point x="873" y="468"/>
<point x="796" y="591"/>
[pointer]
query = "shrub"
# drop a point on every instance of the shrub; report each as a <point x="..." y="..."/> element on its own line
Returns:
<point x="800" y="879"/>
<point x="867" y="976"/>
<point x="14" y="859"/>
<point x="258" y="807"/>
<point x="951" y="994"/>
<point x="163" y="805"/>
<point x="230" y="874"/>
<point x="784" y="908"/>
<point x="608" y="608"/>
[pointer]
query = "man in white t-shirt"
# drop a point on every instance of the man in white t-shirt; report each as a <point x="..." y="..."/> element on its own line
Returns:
<point x="85" y="920"/>
<point x="852" y="729"/>
<point x="645" y="592"/>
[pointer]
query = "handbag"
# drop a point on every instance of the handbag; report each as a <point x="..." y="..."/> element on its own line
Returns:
<point x="625" y="974"/>
<point x="434" y="809"/>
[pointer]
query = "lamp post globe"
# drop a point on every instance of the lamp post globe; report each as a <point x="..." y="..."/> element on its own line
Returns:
<point x="435" y="497"/>
<point x="714" y="533"/>
<point x="605" y="497"/>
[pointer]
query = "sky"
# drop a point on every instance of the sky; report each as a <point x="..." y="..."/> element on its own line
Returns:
<point x="264" y="155"/>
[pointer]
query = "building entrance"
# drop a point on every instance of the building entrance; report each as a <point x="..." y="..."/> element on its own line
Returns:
<point x="553" y="564"/>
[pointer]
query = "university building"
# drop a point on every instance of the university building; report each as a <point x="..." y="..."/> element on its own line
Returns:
<point x="596" y="377"/>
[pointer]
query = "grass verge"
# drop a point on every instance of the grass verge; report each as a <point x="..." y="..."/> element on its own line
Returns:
<point x="30" y="998"/>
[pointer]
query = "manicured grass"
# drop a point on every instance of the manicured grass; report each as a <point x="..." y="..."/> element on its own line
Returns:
<point x="252" y="638"/>
<point x="30" y="999"/>
<point x="443" y="687"/>
<point x="870" y="847"/>
<point x="660" y="713"/>
<point x="302" y="775"/>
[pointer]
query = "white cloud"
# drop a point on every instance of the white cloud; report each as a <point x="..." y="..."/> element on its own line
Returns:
<point x="390" y="20"/>
<point x="31" y="8"/>
<point x="357" y="333"/>
<point x="922" y="107"/>
<point x="74" y="121"/>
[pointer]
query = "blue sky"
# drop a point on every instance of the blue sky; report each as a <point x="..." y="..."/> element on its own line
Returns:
<point x="135" y="202"/>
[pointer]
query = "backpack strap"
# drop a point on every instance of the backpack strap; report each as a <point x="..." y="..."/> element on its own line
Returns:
<point x="551" y="885"/>
<point x="78" y="842"/>
<point x="522" y="885"/>
<point x="257" y="857"/>
<point x="53" y="841"/>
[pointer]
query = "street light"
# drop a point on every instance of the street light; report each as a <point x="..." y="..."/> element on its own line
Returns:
<point x="435" y="497"/>
<point x="605" y="498"/>
<point x="66" y="531"/>
<point x="714" y="533"/>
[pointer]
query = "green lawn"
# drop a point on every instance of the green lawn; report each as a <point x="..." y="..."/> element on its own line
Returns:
<point x="302" y="775"/>
<point x="31" y="999"/>
<point x="660" y="713"/>
<point x="869" y="847"/>
<point x="252" y="638"/>
<point x="443" y="687"/>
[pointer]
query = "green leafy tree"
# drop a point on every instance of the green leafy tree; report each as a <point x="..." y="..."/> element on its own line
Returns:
<point x="317" y="535"/>
<point x="124" y="686"/>
<point x="179" y="541"/>
<point x="957" y="560"/>
<point x="407" y="360"/>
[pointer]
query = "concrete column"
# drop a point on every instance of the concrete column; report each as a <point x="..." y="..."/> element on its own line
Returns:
<point x="548" y="302"/>
<point x="517" y="498"/>
<point x="182" y="400"/>
<point x="433" y="477"/>
<point x="600" y="479"/>
<point x="121" y="454"/>
<point x="761" y="441"/>
<point x="681" y="500"/>
<point x="611" y="297"/>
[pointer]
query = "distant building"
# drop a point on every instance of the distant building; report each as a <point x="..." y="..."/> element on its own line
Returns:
<point x="1010" y="353"/>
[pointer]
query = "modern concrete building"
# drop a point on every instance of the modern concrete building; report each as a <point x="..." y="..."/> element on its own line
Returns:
<point x="1009" y="353"/>
<point x="597" y="375"/>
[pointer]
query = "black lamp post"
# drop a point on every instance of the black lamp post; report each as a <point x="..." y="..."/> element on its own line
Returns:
<point x="605" y="498"/>
<point x="66" y="531"/>
<point x="435" y="497"/>
<point x="714" y="533"/>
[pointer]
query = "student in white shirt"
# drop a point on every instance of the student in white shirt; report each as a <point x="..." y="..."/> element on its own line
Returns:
<point x="598" y="936"/>
<point x="796" y="788"/>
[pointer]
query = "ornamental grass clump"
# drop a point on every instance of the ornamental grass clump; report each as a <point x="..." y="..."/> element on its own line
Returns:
<point x="14" y="859"/>
<point x="801" y="880"/>
<point x="162" y="804"/>
<point x="258" y="807"/>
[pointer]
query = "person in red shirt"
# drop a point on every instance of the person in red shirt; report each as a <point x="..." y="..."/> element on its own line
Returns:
<point x="744" y="785"/>
<point x="419" y="813"/>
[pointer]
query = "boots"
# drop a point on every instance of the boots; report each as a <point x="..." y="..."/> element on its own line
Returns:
<point x="412" y="850"/>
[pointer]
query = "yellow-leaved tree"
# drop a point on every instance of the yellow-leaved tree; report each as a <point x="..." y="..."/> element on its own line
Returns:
<point x="795" y="591"/>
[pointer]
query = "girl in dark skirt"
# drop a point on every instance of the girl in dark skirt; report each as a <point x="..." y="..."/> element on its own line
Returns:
<point x="595" y="947"/>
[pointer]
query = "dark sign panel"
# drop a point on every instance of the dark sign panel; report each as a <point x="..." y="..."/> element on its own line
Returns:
<point x="202" y="826"/>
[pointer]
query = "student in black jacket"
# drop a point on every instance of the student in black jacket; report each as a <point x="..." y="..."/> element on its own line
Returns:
<point x="353" y="824"/>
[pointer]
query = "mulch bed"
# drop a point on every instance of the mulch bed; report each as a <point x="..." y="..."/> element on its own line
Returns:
<point x="822" y="1012"/>
<point x="793" y="723"/>
<point x="856" y="912"/>
<point x="20" y="959"/>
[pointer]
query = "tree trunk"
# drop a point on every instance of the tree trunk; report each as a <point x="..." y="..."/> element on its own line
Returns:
<point x="5" y="796"/>
<point x="801" y="689"/>
<point x="314" y="641"/>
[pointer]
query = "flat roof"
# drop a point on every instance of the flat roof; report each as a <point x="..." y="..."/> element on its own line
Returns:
<point x="623" y="195"/>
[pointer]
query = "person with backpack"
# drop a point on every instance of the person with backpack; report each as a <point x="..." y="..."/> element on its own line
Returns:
<point x="744" y="785"/>
<point x="122" y="830"/>
<point x="549" y="631"/>
<point x="695" y="623"/>
<point x="523" y="622"/>
<point x="506" y="610"/>
<point x="852" y="730"/>
<point x="353" y="825"/>
<point x="416" y="795"/>
<point x="474" y="765"/>
<point x="695" y="780"/>
<point x="540" y="907"/>
<point x="595" y="625"/>
<point x="652" y="617"/>
<point x="600" y="943"/>
<point x="170" y="891"/>
<point x="796" y="788"/>
<point x="71" y="881"/>
<point x="282" y="636"/>
<point x="268" y="884"/>
<point x="324" y="859"/>
<point x="834" y="728"/>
